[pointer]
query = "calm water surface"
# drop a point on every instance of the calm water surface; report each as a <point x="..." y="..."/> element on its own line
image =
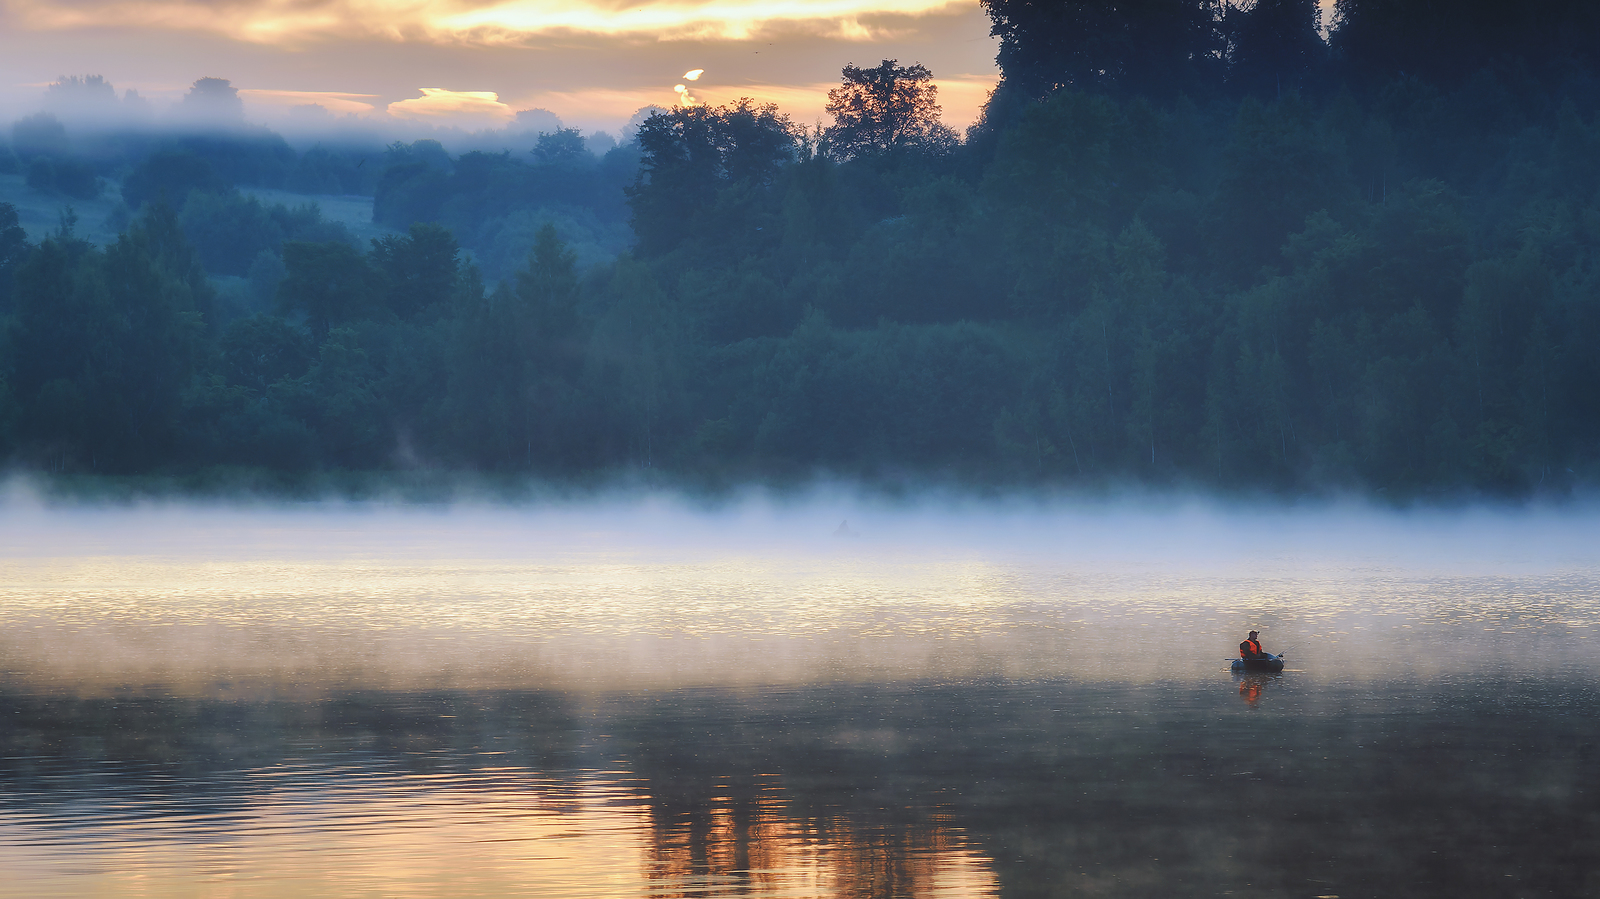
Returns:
<point x="644" y="700"/>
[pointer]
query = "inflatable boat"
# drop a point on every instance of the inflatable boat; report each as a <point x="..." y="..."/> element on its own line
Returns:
<point x="1271" y="663"/>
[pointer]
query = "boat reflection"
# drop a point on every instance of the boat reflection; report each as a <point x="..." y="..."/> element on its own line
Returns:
<point x="1253" y="683"/>
<point x="379" y="706"/>
<point x="975" y="789"/>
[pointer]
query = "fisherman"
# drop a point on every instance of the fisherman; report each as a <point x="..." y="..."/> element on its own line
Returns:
<point x="1251" y="648"/>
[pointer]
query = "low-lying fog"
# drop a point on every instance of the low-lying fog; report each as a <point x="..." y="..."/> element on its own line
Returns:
<point x="1171" y="532"/>
<point x="650" y="590"/>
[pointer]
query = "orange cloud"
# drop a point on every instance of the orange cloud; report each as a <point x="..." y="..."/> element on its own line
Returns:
<point x="293" y="21"/>
<point x="684" y="19"/>
<point x="437" y="103"/>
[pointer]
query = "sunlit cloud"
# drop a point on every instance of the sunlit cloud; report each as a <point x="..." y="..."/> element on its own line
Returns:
<point x="292" y="21"/>
<point x="684" y="97"/>
<point x="333" y="49"/>
<point x="436" y="103"/>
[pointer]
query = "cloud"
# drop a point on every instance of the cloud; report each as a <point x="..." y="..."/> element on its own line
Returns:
<point x="436" y="103"/>
<point x="593" y="81"/>
<point x="445" y="21"/>
<point x="683" y="19"/>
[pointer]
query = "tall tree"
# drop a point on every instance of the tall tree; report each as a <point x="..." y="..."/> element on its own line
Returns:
<point x="417" y="271"/>
<point x="693" y="153"/>
<point x="886" y="108"/>
<point x="564" y="145"/>
<point x="329" y="283"/>
<point x="13" y="249"/>
<point x="107" y="343"/>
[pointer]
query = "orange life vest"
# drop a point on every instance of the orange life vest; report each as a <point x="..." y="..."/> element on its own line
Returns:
<point x="1250" y="649"/>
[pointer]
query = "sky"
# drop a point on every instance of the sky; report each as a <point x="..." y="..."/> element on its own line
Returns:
<point x="474" y="63"/>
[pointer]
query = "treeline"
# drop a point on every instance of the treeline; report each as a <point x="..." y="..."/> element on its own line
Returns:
<point x="493" y="201"/>
<point x="83" y="163"/>
<point x="1380" y="274"/>
<point x="1206" y="49"/>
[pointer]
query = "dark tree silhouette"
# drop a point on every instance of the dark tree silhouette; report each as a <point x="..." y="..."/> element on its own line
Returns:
<point x="1443" y="42"/>
<point x="1154" y="47"/>
<point x="13" y="250"/>
<point x="169" y="176"/>
<point x="563" y="145"/>
<point x="419" y="270"/>
<point x="886" y="108"/>
<point x="327" y="282"/>
<point x="1274" y="46"/>
<point x="549" y="285"/>
<point x="691" y="153"/>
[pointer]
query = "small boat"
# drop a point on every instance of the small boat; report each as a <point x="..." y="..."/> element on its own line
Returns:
<point x="1271" y="663"/>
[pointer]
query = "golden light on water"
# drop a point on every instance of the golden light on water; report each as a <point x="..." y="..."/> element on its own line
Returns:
<point x="639" y="700"/>
<point x="496" y="600"/>
<point x="276" y="832"/>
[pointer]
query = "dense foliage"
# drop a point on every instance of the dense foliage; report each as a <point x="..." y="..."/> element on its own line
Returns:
<point x="1282" y="264"/>
<point x="495" y="203"/>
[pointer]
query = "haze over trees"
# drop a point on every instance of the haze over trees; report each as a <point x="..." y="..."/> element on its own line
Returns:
<point x="1190" y="243"/>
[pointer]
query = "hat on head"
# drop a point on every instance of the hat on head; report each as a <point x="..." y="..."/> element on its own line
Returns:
<point x="1254" y="633"/>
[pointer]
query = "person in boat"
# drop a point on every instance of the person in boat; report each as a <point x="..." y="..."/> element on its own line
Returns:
<point x="1251" y="648"/>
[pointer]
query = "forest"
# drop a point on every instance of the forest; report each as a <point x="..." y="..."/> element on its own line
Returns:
<point x="1190" y="244"/>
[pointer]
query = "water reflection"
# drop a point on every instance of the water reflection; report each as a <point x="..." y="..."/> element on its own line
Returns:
<point x="437" y="794"/>
<point x="282" y="705"/>
<point x="1253" y="683"/>
<point x="1050" y="788"/>
<point x="744" y="843"/>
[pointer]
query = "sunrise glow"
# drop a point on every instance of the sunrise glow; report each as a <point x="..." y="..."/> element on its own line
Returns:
<point x="278" y="21"/>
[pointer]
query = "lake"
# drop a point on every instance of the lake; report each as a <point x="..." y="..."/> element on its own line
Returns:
<point x="834" y="697"/>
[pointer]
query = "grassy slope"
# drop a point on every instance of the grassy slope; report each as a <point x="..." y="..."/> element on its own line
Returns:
<point x="40" y="212"/>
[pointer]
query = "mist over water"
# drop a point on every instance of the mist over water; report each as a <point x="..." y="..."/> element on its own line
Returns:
<point x="1301" y="249"/>
<point x="623" y="592"/>
<point x="640" y="695"/>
